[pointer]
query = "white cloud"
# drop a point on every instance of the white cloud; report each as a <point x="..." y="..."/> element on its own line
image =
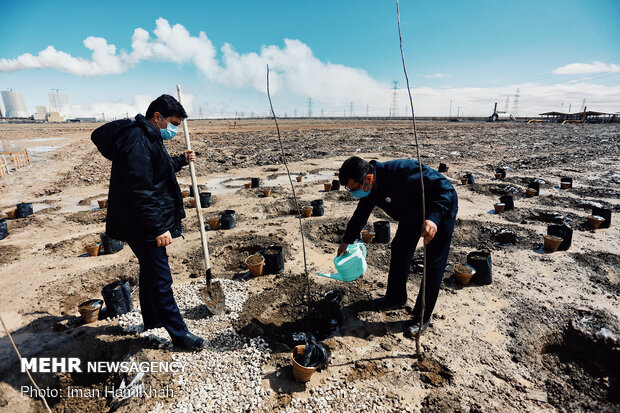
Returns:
<point x="585" y="68"/>
<point x="294" y="67"/>
<point x="436" y="76"/>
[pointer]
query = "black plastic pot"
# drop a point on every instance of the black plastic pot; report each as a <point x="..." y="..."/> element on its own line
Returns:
<point x="191" y="190"/>
<point x="111" y="245"/>
<point x="318" y="210"/>
<point x="501" y="171"/>
<point x="564" y="232"/>
<point x="255" y="182"/>
<point x="481" y="261"/>
<point x="335" y="185"/>
<point x="470" y="178"/>
<point x="568" y="180"/>
<point x="605" y="213"/>
<point x="382" y="232"/>
<point x="274" y="259"/>
<point x="205" y="199"/>
<point x="228" y="219"/>
<point x="24" y="210"/>
<point x="442" y="168"/>
<point x="4" y="231"/>
<point x="117" y="297"/>
<point x="535" y="185"/>
<point x="508" y="201"/>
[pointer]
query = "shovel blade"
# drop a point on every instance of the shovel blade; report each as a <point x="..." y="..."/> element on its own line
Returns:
<point x="213" y="297"/>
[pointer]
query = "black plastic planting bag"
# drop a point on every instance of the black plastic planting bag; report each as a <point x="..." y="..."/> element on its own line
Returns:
<point x="117" y="297"/>
<point x="315" y="354"/>
<point x="4" y="232"/>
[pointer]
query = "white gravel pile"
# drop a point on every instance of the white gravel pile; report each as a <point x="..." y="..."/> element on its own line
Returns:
<point x="226" y="375"/>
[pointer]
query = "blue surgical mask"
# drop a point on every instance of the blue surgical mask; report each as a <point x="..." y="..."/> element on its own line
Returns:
<point x="360" y="193"/>
<point x="169" y="132"/>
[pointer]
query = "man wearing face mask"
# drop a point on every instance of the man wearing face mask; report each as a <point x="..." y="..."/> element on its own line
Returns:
<point x="145" y="206"/>
<point x="394" y="186"/>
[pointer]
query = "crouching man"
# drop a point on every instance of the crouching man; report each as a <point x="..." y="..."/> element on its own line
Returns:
<point x="394" y="186"/>
<point x="145" y="206"/>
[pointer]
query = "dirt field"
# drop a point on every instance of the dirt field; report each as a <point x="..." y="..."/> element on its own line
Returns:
<point x="544" y="336"/>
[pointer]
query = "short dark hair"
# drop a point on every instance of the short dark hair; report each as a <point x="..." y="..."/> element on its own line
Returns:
<point x="167" y="106"/>
<point x="354" y="168"/>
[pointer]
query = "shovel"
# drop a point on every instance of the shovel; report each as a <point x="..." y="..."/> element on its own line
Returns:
<point x="212" y="293"/>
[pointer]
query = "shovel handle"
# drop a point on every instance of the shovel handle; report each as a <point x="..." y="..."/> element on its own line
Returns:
<point x="192" y="171"/>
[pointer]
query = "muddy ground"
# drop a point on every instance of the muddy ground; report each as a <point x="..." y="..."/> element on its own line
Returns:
<point x="542" y="337"/>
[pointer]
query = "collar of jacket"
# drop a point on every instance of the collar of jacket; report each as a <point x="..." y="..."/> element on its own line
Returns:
<point x="150" y="131"/>
<point x="378" y="173"/>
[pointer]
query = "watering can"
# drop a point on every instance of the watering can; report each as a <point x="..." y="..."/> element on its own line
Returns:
<point x="351" y="265"/>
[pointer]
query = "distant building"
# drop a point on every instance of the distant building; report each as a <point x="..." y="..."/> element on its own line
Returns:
<point x="58" y="101"/>
<point x="56" y="117"/>
<point x="14" y="104"/>
<point x="586" y="116"/>
<point x="41" y="113"/>
<point x="47" y="114"/>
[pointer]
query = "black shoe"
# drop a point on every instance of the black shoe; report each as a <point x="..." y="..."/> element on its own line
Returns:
<point x="412" y="330"/>
<point x="190" y="342"/>
<point x="383" y="304"/>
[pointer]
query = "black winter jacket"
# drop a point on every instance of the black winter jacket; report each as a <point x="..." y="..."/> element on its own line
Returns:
<point x="144" y="199"/>
<point x="398" y="193"/>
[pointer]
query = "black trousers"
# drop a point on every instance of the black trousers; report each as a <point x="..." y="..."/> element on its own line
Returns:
<point x="159" y="309"/>
<point x="403" y="248"/>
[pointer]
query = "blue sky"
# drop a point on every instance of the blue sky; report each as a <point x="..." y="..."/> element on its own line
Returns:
<point x="473" y="53"/>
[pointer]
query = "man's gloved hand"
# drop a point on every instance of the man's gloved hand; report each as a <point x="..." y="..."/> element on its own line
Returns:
<point x="429" y="230"/>
<point x="164" y="239"/>
<point x="341" y="249"/>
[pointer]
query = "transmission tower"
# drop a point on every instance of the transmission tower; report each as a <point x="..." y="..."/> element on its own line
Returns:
<point x="506" y="107"/>
<point x="309" y="107"/>
<point x="366" y="109"/>
<point x="394" y="105"/>
<point x="351" y="109"/>
<point x="515" y="104"/>
<point x="200" y="112"/>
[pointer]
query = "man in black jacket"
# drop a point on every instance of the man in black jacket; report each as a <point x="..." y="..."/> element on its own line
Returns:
<point x="145" y="206"/>
<point x="394" y="186"/>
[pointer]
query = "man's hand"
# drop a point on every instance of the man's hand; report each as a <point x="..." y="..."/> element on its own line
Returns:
<point x="342" y="248"/>
<point x="190" y="156"/>
<point x="429" y="230"/>
<point x="164" y="239"/>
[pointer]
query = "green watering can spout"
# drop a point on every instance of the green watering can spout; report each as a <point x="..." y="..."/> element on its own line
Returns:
<point x="351" y="265"/>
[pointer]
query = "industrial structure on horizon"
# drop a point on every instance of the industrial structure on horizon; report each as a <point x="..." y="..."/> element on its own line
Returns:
<point x="14" y="104"/>
<point x="15" y="108"/>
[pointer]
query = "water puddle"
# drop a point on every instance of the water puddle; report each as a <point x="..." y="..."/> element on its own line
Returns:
<point x="66" y="205"/>
<point x="35" y="149"/>
<point x="73" y="205"/>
